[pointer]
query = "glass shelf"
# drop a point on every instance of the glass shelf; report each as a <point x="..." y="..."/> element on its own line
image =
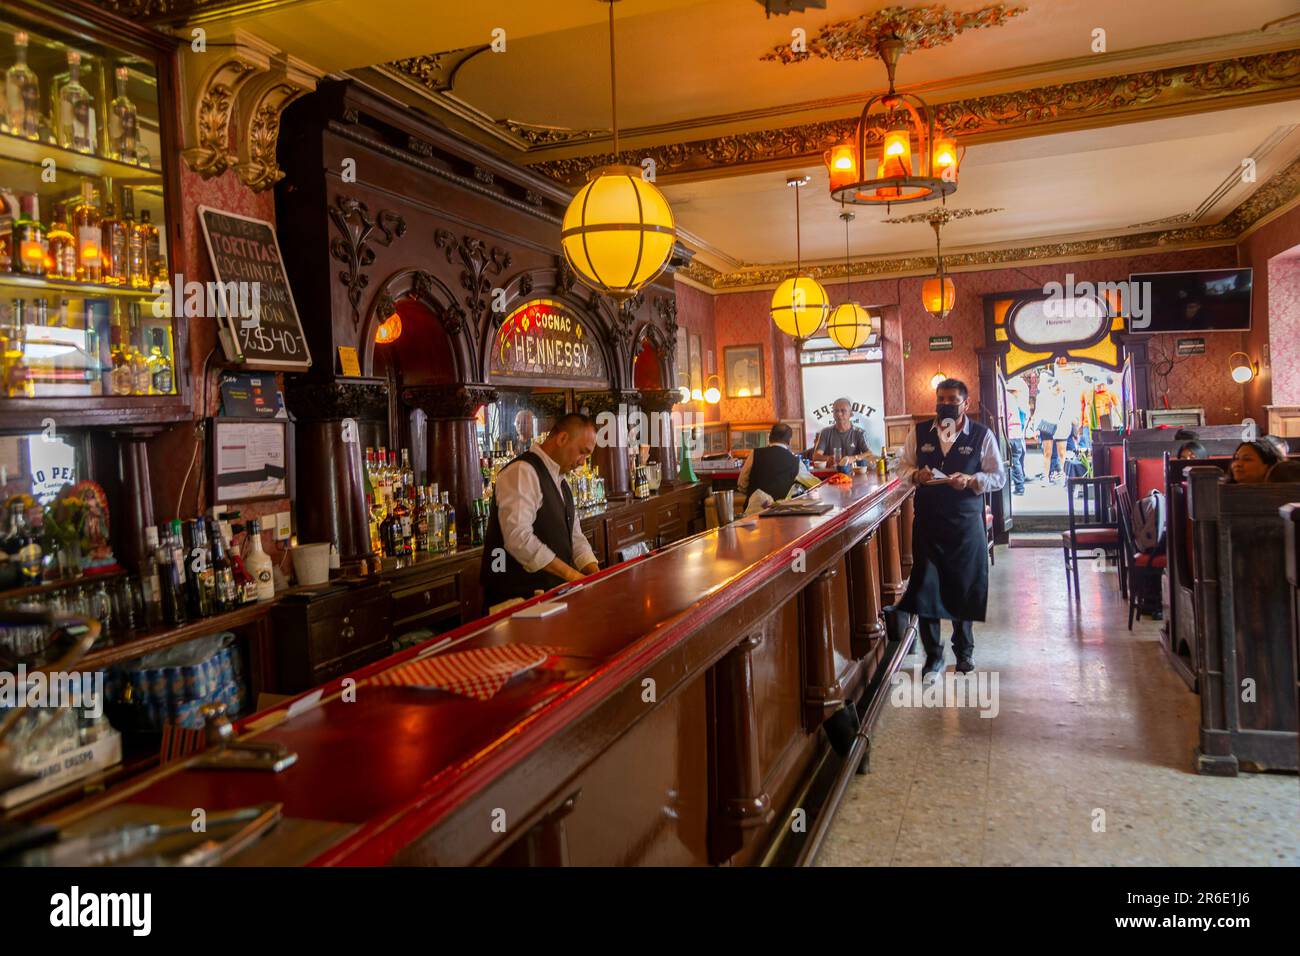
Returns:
<point x="34" y="152"/>
<point x="85" y="289"/>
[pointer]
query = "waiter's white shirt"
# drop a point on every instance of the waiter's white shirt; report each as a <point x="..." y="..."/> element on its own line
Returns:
<point x="992" y="474"/>
<point x="804" y="477"/>
<point x="519" y="496"/>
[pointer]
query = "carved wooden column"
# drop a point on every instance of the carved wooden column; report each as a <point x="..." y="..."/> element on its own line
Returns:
<point x="452" y="439"/>
<point x="331" y="505"/>
<point x="658" y="407"/>
<point x="742" y="802"/>
<point x="891" y="568"/>
<point x="822" y="694"/>
<point x="135" y="503"/>
<point x="864" y="592"/>
<point x="611" y="443"/>
<point x="906" y="514"/>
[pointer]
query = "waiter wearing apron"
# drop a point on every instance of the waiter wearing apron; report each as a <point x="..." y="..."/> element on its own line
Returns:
<point x="953" y="461"/>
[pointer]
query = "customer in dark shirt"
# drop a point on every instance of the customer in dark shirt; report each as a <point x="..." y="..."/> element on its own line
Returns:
<point x="843" y="438"/>
<point x="774" y="469"/>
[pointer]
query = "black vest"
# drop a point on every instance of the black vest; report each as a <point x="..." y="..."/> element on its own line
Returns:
<point x="553" y="527"/>
<point x="774" y="471"/>
<point x="964" y="457"/>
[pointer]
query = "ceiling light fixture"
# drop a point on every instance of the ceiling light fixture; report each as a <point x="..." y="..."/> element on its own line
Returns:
<point x="914" y="164"/>
<point x="618" y="231"/>
<point x="850" y="325"/>
<point x="938" y="294"/>
<point x="799" y="304"/>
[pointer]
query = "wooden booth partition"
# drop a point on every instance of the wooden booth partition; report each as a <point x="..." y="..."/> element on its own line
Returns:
<point x="1246" y="658"/>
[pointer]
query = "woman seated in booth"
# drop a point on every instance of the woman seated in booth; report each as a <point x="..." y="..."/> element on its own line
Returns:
<point x="1252" y="461"/>
<point x="1190" y="449"/>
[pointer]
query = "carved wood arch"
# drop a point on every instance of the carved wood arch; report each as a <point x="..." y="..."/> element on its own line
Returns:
<point x="435" y="295"/>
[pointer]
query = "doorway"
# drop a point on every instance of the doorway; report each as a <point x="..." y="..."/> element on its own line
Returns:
<point x="1061" y="405"/>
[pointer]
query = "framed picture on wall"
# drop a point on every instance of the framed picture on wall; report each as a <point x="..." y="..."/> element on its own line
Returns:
<point x="697" y="366"/>
<point x="742" y="370"/>
<point x="681" y="357"/>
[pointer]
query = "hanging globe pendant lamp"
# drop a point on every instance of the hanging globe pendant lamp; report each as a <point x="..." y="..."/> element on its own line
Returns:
<point x="618" y="232"/>
<point x="850" y="325"/>
<point x="799" y="304"/>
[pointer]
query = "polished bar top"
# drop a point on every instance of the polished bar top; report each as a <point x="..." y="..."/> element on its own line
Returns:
<point x="391" y="763"/>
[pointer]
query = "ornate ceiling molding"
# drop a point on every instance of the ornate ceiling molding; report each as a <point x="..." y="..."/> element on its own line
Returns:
<point x="1281" y="190"/>
<point x="1084" y="104"/>
<point x="943" y="215"/>
<point x="919" y="28"/>
<point x="177" y="12"/>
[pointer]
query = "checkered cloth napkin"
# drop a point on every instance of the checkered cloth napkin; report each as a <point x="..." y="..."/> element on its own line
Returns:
<point x="479" y="672"/>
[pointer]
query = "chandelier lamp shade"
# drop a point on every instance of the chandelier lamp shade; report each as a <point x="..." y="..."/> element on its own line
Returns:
<point x="896" y="155"/>
<point x="618" y="231"/>
<point x="850" y="326"/>
<point x="800" y="303"/>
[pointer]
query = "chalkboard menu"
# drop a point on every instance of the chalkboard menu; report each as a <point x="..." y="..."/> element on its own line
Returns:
<point x="257" y="305"/>
<point x="542" y="343"/>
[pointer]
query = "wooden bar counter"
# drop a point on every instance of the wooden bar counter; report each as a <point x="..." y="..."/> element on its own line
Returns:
<point x="680" y="723"/>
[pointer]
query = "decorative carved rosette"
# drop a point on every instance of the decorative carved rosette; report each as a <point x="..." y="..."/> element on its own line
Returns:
<point x="335" y="400"/>
<point x="352" y="246"/>
<point x="479" y="262"/>
<point x="659" y="400"/>
<point x="449" y="401"/>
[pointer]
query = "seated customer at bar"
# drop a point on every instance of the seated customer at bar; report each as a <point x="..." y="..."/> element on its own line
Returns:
<point x="774" y="469"/>
<point x="843" y="440"/>
<point x="1251" y="462"/>
<point x="1190" y="449"/>
<point x="534" y="540"/>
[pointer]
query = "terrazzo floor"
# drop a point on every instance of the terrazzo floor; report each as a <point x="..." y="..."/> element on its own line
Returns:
<point x="1087" y="761"/>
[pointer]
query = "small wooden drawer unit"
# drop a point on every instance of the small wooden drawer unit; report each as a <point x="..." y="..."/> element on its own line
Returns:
<point x="318" y="636"/>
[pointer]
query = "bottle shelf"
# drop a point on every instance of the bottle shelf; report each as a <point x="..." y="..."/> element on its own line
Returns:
<point x="34" y="153"/>
<point x="89" y="290"/>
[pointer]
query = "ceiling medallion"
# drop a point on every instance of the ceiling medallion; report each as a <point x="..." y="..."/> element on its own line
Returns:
<point x="916" y="28"/>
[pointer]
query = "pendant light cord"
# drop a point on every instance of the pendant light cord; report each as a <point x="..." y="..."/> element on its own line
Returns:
<point x="613" y="81"/>
<point x="798" y="240"/>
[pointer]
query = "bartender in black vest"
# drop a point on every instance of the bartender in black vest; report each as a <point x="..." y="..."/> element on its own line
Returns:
<point x="534" y="540"/>
<point x="953" y="461"/>
<point x="774" y="469"/>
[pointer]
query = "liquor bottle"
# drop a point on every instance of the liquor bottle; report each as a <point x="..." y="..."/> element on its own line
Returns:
<point x="86" y="227"/>
<point x="368" y="485"/>
<point x="137" y="275"/>
<point x="177" y="545"/>
<point x="395" y="474"/>
<point x="408" y="474"/>
<point x="404" y="518"/>
<point x="61" y="259"/>
<point x="141" y="373"/>
<point x="155" y="269"/>
<point x="29" y="240"/>
<point x="150" y="584"/>
<point x="160" y="365"/>
<point x="113" y="247"/>
<point x="258" y="563"/>
<point x="17" y="539"/>
<point x="449" y="523"/>
<point x="420" y="519"/>
<point x="245" y="586"/>
<point x="437" y="520"/>
<point x="390" y="533"/>
<point x="22" y="93"/>
<point x="227" y="595"/>
<point x="170" y="583"/>
<point x="381" y="479"/>
<point x="121" y="377"/>
<point x="15" y="378"/>
<point x="76" y="118"/>
<point x="122" y="122"/>
<point x="200" y="583"/>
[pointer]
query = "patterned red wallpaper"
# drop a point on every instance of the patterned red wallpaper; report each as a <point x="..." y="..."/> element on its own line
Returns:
<point x="742" y="318"/>
<point x="1263" y="344"/>
<point x="695" y="315"/>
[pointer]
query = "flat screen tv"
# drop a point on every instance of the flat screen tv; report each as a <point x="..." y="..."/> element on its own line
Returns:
<point x="1209" y="300"/>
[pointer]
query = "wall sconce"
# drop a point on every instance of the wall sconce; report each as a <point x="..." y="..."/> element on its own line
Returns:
<point x="712" y="394"/>
<point x="1242" y="368"/>
<point x="937" y="378"/>
<point x="390" y="330"/>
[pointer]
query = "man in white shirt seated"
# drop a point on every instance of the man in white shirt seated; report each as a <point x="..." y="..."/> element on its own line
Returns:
<point x="534" y="540"/>
<point x="774" y="469"/>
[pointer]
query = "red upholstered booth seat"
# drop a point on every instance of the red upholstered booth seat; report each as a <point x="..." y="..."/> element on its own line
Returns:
<point x="1115" y="461"/>
<point x="1150" y="477"/>
<point x="1092" y="536"/>
<point x="1150" y="560"/>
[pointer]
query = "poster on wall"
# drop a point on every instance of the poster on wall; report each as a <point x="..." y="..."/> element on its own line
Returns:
<point x="862" y="383"/>
<point x="681" y="359"/>
<point x="697" y="365"/>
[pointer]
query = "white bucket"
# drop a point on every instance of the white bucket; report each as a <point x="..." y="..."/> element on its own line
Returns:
<point x="311" y="563"/>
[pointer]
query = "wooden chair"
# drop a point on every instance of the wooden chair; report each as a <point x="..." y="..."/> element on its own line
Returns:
<point x="1094" y="525"/>
<point x="1144" y="571"/>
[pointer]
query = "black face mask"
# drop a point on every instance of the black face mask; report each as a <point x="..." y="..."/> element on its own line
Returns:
<point x="946" y="412"/>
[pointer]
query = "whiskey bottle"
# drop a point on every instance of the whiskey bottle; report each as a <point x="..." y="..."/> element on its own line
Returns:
<point x="86" y="228"/>
<point x="122" y="122"/>
<point x="137" y="275"/>
<point x="22" y="94"/>
<point x="448" y="523"/>
<point x="420" y="519"/>
<point x="390" y="533"/>
<point x="61" y="260"/>
<point x="76" y="119"/>
<point x="154" y="266"/>
<point x="227" y="595"/>
<point x="121" y="377"/>
<point x="29" y="237"/>
<point x="200" y="582"/>
<point x="113" y="245"/>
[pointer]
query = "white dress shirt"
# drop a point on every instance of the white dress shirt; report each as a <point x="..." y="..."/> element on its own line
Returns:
<point x="991" y="476"/>
<point x="804" y="477"/>
<point x="519" y="496"/>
